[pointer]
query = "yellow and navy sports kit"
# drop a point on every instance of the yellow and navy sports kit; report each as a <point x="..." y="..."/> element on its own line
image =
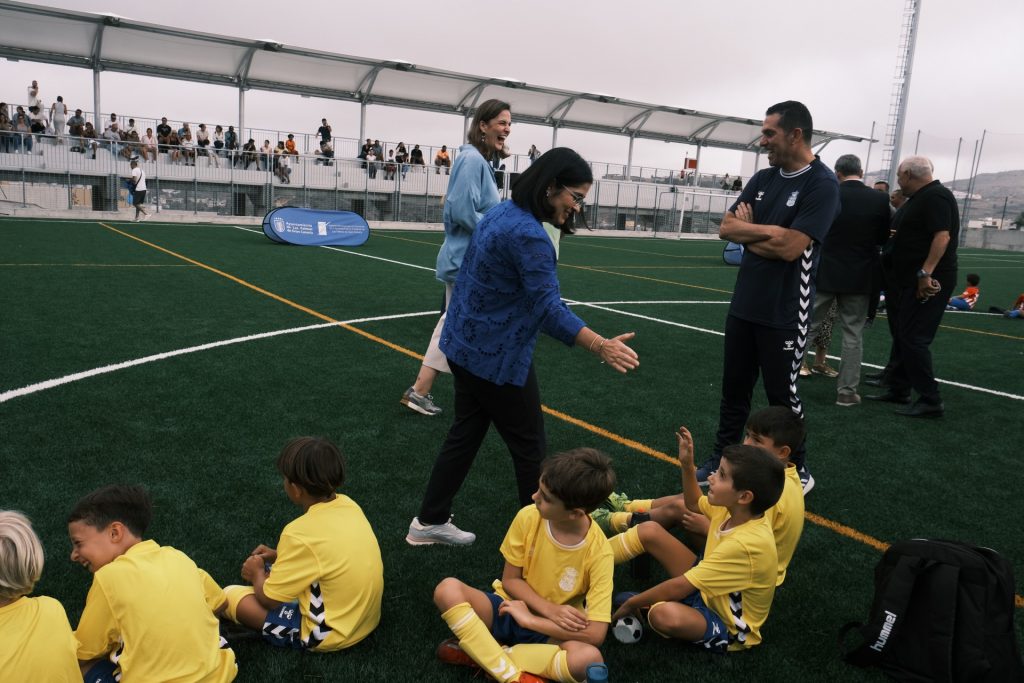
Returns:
<point x="151" y="611"/>
<point x="329" y="574"/>
<point x="579" y="575"/>
<point x="786" y="518"/>
<point x="37" y="644"/>
<point x="736" y="578"/>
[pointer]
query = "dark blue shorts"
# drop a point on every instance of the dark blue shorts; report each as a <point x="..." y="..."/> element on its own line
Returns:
<point x="506" y="630"/>
<point x="283" y="627"/>
<point x="716" y="634"/>
<point x="103" y="672"/>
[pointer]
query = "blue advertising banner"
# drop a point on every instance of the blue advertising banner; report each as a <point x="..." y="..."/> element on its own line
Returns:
<point x="312" y="227"/>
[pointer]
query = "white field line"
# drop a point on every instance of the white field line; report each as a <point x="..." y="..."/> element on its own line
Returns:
<point x="67" y="379"/>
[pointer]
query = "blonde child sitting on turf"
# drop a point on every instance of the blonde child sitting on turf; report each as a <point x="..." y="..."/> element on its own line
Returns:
<point x="721" y="602"/>
<point x="552" y="605"/>
<point x="324" y="590"/>
<point x="37" y="643"/>
<point x="149" y="615"/>
<point x="776" y="429"/>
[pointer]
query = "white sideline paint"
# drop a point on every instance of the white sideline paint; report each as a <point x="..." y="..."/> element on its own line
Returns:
<point x="67" y="379"/>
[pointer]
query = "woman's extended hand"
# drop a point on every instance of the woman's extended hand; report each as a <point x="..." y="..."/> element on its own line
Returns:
<point x="615" y="353"/>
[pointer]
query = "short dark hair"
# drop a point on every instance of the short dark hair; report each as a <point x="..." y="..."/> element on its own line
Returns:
<point x="314" y="463"/>
<point x="580" y="478"/>
<point x="756" y="470"/>
<point x="558" y="167"/>
<point x="485" y="112"/>
<point x="882" y="182"/>
<point x="131" y="505"/>
<point x="973" y="279"/>
<point x="849" y="164"/>
<point x="793" y="115"/>
<point x="780" y="424"/>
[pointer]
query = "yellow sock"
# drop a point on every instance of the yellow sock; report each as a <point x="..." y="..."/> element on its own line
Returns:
<point x="627" y="545"/>
<point x="477" y="642"/>
<point x="619" y="521"/>
<point x="547" y="661"/>
<point x="639" y="505"/>
<point x="233" y="595"/>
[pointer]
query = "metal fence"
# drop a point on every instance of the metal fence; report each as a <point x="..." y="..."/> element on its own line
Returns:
<point x="218" y="183"/>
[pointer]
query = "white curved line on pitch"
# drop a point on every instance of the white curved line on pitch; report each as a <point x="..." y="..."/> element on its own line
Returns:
<point x="67" y="379"/>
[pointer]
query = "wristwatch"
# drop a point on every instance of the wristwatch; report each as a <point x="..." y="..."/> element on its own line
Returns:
<point x="923" y="273"/>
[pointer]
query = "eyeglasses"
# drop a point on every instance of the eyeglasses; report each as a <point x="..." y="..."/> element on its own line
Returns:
<point x="577" y="198"/>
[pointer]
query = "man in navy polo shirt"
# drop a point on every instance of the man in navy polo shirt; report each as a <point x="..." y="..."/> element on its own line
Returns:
<point x="781" y="218"/>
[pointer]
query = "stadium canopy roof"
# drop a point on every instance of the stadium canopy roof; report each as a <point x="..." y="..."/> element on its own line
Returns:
<point x="104" y="42"/>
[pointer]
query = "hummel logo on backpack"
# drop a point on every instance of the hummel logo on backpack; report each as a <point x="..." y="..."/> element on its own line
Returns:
<point x="943" y="611"/>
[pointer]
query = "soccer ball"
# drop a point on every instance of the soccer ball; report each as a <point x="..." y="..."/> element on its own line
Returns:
<point x="628" y="630"/>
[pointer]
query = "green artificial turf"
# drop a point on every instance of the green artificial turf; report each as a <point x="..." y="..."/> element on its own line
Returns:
<point x="201" y="430"/>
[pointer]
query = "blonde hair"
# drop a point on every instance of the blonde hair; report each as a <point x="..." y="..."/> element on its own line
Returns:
<point x="21" y="555"/>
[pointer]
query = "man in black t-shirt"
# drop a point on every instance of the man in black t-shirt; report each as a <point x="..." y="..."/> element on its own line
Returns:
<point x="781" y="217"/>
<point x="920" y="270"/>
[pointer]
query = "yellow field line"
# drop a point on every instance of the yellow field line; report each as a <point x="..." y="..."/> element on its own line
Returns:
<point x="990" y="334"/>
<point x="276" y="297"/>
<point x="649" y="279"/>
<point x="838" y="528"/>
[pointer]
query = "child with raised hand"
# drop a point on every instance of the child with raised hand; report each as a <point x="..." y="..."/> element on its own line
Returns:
<point x="722" y="602"/>
<point x="321" y="588"/>
<point x="37" y="643"/>
<point x="149" y="615"/>
<point x="552" y="606"/>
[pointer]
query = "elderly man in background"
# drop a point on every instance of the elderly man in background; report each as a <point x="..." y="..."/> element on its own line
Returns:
<point x="920" y="267"/>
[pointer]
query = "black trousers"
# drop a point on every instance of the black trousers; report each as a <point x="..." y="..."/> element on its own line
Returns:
<point x="750" y="350"/>
<point x="514" y="411"/>
<point x="913" y="326"/>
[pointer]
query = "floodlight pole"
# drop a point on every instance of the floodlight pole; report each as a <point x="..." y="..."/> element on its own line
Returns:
<point x="904" y="69"/>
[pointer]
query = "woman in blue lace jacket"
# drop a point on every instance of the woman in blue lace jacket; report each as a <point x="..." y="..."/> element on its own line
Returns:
<point x="505" y="294"/>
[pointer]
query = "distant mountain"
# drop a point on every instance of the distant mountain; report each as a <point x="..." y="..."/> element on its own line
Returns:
<point x="996" y="190"/>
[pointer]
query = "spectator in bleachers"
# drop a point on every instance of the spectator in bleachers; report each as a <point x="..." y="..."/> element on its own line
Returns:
<point x="75" y="125"/>
<point x="289" y="147"/>
<point x="326" y="154"/>
<point x="6" y="140"/>
<point x="188" y="147"/>
<point x="148" y="148"/>
<point x="163" y="134"/>
<point x="282" y="164"/>
<point x="37" y="120"/>
<point x="89" y="139"/>
<point x="184" y="129"/>
<point x="390" y="167"/>
<point x="58" y="117"/>
<point x="33" y="95"/>
<point x="324" y="131"/>
<point x="402" y="159"/>
<point x="737" y="184"/>
<point x="22" y="128"/>
<point x="174" y="146"/>
<point x="218" y="141"/>
<point x="266" y="156"/>
<point x="378" y="150"/>
<point x="249" y="154"/>
<point x="364" y="150"/>
<point x="112" y="139"/>
<point x="131" y="129"/>
<point x="203" y="146"/>
<point x="726" y="183"/>
<point x="442" y="160"/>
<point x="231" y="144"/>
<point x="416" y="156"/>
<point x="533" y="153"/>
<point x="132" y="145"/>
<point x="371" y="162"/>
<point x="112" y="121"/>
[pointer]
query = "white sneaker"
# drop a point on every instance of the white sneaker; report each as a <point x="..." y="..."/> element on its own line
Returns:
<point x="444" y="534"/>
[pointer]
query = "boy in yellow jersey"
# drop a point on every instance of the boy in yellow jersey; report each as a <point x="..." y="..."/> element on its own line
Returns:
<point x="37" y="644"/>
<point x="721" y="602"/>
<point x="779" y="431"/>
<point x="149" y="615"/>
<point x="552" y="606"/>
<point x="321" y="589"/>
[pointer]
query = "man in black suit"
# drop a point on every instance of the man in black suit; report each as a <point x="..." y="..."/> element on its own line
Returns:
<point x="844" y="273"/>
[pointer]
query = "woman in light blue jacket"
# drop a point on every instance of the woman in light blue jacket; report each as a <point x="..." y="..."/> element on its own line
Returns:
<point x="471" y="193"/>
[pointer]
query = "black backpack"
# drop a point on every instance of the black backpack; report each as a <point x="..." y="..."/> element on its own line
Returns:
<point x="943" y="611"/>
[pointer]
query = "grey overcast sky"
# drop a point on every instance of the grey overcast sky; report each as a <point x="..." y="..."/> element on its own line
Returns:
<point x="732" y="57"/>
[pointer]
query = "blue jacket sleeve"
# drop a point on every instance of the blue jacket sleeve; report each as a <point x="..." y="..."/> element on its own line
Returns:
<point x="535" y="261"/>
